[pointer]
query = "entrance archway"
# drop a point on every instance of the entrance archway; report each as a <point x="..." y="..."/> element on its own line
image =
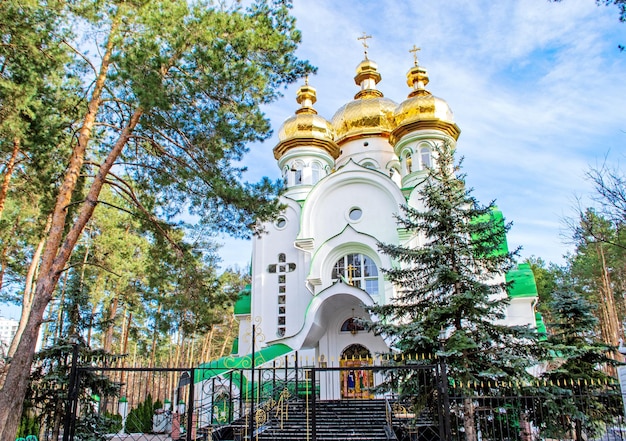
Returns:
<point x="356" y="383"/>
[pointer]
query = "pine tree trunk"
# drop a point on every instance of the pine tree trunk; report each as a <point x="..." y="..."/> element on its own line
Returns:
<point x="209" y="349"/>
<point x="525" y="428"/>
<point x="60" y="312"/>
<point x="27" y="298"/>
<point x="154" y="340"/>
<point x="469" y="419"/>
<point x="8" y="172"/>
<point x="227" y="335"/>
<point x="5" y="250"/>
<point x="610" y="327"/>
<point x="108" y="335"/>
<point x="205" y="346"/>
<point x="55" y="257"/>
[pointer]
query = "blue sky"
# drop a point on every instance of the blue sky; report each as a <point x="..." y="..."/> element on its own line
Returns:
<point x="537" y="89"/>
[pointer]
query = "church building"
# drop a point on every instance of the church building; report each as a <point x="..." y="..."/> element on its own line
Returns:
<point x="317" y="266"/>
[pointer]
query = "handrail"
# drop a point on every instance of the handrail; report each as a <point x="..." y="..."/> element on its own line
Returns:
<point x="388" y="412"/>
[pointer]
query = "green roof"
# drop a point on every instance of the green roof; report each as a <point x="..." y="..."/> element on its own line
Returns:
<point x="235" y="348"/>
<point x="224" y="364"/>
<point x="541" y="326"/>
<point x="497" y="218"/>
<point x="243" y="304"/>
<point x="522" y="281"/>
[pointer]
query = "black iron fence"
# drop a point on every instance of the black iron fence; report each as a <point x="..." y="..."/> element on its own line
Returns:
<point x="374" y="400"/>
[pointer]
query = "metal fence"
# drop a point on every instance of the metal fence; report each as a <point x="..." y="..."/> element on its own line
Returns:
<point x="358" y="400"/>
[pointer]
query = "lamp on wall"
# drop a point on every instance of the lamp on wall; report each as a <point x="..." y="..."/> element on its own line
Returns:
<point x="354" y="329"/>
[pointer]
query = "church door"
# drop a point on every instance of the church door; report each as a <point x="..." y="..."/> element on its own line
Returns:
<point x="356" y="383"/>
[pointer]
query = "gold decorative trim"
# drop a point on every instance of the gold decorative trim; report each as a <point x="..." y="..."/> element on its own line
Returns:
<point x="368" y="93"/>
<point x="425" y="124"/>
<point x="365" y="133"/>
<point x="329" y="146"/>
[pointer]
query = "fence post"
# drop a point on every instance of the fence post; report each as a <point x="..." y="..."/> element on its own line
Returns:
<point x="72" y="397"/>
<point x="274" y="379"/>
<point x="296" y="370"/>
<point x="241" y="392"/>
<point x="213" y="395"/>
<point x="251" y="428"/>
<point x="230" y="399"/>
<point x="313" y="406"/>
<point x="191" y="426"/>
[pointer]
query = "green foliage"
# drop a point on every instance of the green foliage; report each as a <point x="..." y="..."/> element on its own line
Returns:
<point x="28" y="426"/>
<point x="455" y="283"/>
<point x="49" y="382"/>
<point x="199" y="74"/>
<point x="139" y="419"/>
<point x="547" y="277"/>
<point x="91" y="426"/>
<point x="577" y="359"/>
<point x="581" y="355"/>
<point x="155" y="102"/>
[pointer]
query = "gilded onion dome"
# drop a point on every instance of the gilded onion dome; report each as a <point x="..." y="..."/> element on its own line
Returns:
<point x="306" y="127"/>
<point x="370" y="113"/>
<point x="422" y="110"/>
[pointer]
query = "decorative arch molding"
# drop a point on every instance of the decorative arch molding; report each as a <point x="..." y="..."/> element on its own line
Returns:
<point x="412" y="141"/>
<point x="370" y="164"/>
<point x="320" y="312"/>
<point x="291" y="214"/>
<point x="351" y="173"/>
<point x="347" y="242"/>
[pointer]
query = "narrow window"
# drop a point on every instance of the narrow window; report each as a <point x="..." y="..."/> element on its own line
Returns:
<point x="425" y="157"/>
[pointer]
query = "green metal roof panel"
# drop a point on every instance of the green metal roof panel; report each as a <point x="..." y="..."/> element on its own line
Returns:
<point x="235" y="347"/>
<point x="541" y="326"/>
<point x="497" y="218"/>
<point x="522" y="282"/>
<point x="243" y="305"/>
<point x="217" y="367"/>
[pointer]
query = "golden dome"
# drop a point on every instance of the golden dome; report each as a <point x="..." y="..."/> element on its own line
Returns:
<point x="370" y="113"/>
<point x="422" y="110"/>
<point x="306" y="127"/>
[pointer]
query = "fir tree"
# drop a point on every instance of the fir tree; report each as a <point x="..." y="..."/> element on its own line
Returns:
<point x="578" y="356"/>
<point x="453" y="280"/>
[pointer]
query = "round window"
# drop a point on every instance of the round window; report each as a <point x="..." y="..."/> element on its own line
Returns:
<point x="281" y="223"/>
<point x="355" y="214"/>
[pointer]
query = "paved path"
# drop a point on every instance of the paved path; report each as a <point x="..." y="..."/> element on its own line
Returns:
<point x="140" y="437"/>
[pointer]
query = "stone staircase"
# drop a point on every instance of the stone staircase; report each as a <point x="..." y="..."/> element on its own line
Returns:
<point x="345" y="420"/>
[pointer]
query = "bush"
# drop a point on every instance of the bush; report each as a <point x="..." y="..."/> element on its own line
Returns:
<point x="139" y="419"/>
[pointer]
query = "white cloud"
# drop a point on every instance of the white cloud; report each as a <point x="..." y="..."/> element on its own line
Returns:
<point x="537" y="89"/>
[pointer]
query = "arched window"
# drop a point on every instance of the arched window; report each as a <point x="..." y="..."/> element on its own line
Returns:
<point x="408" y="163"/>
<point x="296" y="169"/>
<point x="358" y="270"/>
<point x="425" y="157"/>
<point x="352" y="325"/>
<point x="316" y="172"/>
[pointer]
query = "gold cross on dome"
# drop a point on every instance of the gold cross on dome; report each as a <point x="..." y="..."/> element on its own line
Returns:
<point x="414" y="51"/>
<point x="365" y="37"/>
<point x="306" y="80"/>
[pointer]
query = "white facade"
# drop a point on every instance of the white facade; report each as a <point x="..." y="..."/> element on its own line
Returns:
<point x="318" y="265"/>
<point x="8" y="329"/>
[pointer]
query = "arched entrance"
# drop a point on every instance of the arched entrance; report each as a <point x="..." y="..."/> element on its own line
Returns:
<point x="356" y="383"/>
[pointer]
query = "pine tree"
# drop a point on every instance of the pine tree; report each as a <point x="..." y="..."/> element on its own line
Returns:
<point x="578" y="355"/>
<point x="453" y="281"/>
<point x="173" y="96"/>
